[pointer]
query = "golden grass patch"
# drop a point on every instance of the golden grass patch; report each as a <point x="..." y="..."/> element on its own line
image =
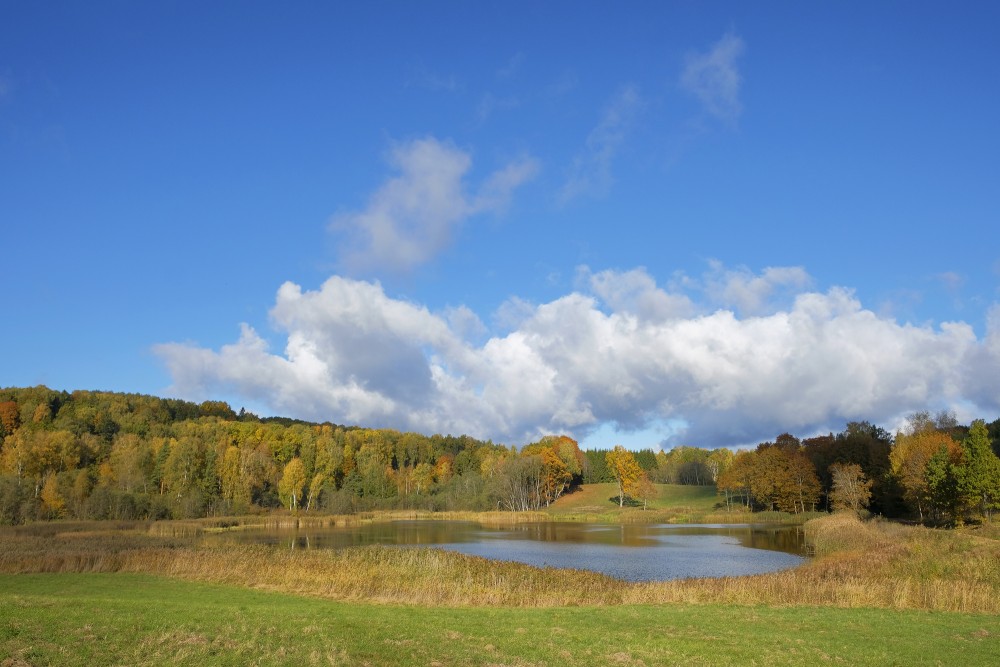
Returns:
<point x="858" y="564"/>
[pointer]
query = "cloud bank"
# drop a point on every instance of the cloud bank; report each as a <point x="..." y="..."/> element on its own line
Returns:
<point x="618" y="349"/>
<point x="412" y="217"/>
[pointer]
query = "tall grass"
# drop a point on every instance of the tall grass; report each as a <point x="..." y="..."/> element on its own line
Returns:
<point x="858" y="564"/>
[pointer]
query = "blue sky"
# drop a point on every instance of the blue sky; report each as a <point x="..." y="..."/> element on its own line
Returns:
<point x="657" y="222"/>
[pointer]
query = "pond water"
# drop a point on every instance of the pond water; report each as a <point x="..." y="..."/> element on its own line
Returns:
<point x="655" y="552"/>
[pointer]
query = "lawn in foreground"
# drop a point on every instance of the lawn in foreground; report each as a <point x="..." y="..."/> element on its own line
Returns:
<point x="109" y="619"/>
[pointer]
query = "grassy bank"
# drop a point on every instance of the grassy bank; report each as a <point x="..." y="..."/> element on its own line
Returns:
<point x="133" y="619"/>
<point x="859" y="564"/>
<point x="595" y="503"/>
<point x="130" y="593"/>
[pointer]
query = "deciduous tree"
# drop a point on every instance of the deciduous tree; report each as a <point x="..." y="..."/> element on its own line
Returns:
<point x="293" y="480"/>
<point x="909" y="458"/>
<point x="625" y="470"/>
<point x="52" y="501"/>
<point x="646" y="490"/>
<point x="10" y="417"/>
<point x="851" y="489"/>
<point x="555" y="476"/>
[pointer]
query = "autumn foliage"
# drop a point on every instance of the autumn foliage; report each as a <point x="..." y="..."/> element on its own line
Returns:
<point x="97" y="455"/>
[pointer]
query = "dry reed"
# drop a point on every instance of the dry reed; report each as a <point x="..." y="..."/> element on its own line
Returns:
<point x="858" y="564"/>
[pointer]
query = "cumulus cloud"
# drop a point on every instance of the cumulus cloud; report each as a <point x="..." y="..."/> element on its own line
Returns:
<point x="413" y="216"/>
<point x="591" y="169"/>
<point x="618" y="349"/>
<point x="635" y="292"/>
<point x="713" y="78"/>
<point x="751" y="294"/>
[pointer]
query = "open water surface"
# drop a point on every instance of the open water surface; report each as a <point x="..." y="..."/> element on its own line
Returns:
<point x="656" y="552"/>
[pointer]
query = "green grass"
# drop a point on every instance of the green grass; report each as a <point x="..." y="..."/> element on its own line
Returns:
<point x="674" y="503"/>
<point x="600" y="502"/>
<point x="116" y="619"/>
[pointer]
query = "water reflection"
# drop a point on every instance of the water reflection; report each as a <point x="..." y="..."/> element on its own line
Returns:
<point x="632" y="552"/>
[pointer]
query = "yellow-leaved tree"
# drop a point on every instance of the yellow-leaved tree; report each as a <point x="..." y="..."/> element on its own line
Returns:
<point x="52" y="500"/>
<point x="909" y="458"/>
<point x="293" y="480"/>
<point x="625" y="470"/>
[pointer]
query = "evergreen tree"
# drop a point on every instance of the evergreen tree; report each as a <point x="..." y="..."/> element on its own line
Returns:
<point x="979" y="477"/>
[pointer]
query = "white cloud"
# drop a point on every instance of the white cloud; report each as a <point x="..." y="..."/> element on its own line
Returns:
<point x="751" y="294"/>
<point x="635" y="292"/>
<point x="620" y="350"/>
<point x="714" y="78"/>
<point x="413" y="216"/>
<point x="590" y="173"/>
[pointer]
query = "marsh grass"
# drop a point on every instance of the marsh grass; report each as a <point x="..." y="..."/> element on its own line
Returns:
<point x="858" y="564"/>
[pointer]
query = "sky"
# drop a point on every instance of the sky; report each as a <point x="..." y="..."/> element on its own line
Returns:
<point x="648" y="223"/>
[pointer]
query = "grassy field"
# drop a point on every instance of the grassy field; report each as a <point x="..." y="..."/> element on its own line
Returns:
<point x="115" y="619"/>
<point x="110" y="593"/>
<point x="600" y="500"/>
<point x="674" y="503"/>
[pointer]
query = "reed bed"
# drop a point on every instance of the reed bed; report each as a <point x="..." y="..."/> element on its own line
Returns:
<point x="858" y="564"/>
<point x="287" y="521"/>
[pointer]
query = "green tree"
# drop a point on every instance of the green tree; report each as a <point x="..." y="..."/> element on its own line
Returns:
<point x="979" y="477"/>
<point x="979" y="480"/>
<point x="941" y="479"/>
<point x="595" y="467"/>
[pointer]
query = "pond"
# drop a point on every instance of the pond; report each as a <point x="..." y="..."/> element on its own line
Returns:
<point x="632" y="552"/>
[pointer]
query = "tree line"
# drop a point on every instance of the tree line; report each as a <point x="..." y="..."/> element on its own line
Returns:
<point x="95" y="455"/>
<point x="98" y="455"/>
<point x="934" y="470"/>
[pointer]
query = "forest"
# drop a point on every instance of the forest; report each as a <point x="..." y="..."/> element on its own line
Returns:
<point x="105" y="455"/>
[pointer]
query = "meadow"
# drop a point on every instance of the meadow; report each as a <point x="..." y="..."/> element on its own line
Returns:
<point x="133" y="619"/>
<point x="100" y="593"/>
